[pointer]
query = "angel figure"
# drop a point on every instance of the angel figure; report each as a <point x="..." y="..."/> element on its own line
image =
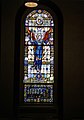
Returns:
<point x="38" y="43"/>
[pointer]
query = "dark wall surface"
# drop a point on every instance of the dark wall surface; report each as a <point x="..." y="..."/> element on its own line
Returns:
<point x="73" y="57"/>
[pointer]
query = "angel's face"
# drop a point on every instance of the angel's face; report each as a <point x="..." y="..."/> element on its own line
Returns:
<point x="39" y="37"/>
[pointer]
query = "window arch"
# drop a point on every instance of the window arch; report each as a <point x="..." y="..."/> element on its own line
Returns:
<point x="38" y="57"/>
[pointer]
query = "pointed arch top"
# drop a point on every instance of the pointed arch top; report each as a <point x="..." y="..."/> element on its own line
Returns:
<point x="39" y="18"/>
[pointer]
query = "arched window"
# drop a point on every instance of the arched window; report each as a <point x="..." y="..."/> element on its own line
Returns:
<point x="38" y="57"/>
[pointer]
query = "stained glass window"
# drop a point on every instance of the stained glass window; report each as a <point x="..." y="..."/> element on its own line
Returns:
<point x="38" y="57"/>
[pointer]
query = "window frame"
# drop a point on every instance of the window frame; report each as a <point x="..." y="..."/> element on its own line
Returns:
<point x="22" y="54"/>
<point x="57" y="107"/>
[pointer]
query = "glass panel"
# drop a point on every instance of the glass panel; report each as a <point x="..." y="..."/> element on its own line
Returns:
<point x="38" y="36"/>
<point x="39" y="64"/>
<point x="39" y="18"/>
<point x="38" y="57"/>
<point x="38" y="93"/>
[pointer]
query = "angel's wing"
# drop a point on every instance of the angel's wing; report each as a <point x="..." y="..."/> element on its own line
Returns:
<point x="47" y="34"/>
<point x="31" y="34"/>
